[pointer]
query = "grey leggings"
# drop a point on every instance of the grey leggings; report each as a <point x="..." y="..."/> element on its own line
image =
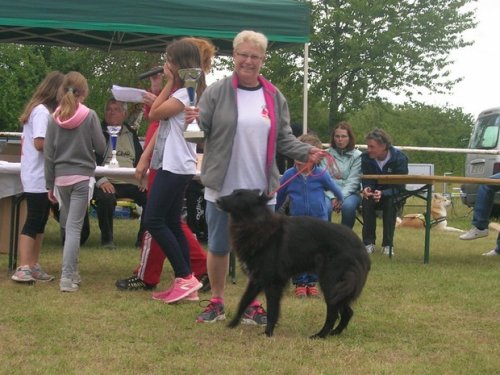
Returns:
<point x="74" y="204"/>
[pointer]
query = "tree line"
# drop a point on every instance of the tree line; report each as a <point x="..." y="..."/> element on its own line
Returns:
<point x="412" y="124"/>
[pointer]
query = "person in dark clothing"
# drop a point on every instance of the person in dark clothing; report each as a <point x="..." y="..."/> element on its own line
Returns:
<point x="108" y="190"/>
<point x="380" y="158"/>
<point x="195" y="210"/>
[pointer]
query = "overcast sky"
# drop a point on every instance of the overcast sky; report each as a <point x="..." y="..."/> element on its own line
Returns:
<point x="479" y="65"/>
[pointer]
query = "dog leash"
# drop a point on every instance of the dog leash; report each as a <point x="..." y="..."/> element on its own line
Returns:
<point x="309" y="166"/>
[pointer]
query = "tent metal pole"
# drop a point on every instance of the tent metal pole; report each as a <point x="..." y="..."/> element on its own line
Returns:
<point x="306" y="84"/>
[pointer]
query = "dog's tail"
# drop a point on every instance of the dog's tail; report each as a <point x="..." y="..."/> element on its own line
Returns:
<point x="349" y="286"/>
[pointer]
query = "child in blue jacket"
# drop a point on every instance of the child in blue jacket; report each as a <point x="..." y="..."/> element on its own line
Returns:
<point x="305" y="194"/>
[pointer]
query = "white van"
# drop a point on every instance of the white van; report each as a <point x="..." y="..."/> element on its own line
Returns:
<point x="485" y="136"/>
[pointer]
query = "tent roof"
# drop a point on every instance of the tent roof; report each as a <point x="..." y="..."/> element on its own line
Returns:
<point x="147" y="25"/>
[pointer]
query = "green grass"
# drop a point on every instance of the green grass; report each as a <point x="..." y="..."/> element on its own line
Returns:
<point x="439" y="318"/>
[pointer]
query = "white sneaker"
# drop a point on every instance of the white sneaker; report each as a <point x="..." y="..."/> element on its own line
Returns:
<point x="23" y="275"/>
<point x="76" y="279"/>
<point x="474" y="233"/>
<point x="386" y="250"/>
<point x="39" y="274"/>
<point x="370" y="249"/>
<point x="67" y="285"/>
<point x="491" y="253"/>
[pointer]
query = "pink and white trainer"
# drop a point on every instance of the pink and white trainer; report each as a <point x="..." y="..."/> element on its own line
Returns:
<point x="160" y="296"/>
<point x="182" y="288"/>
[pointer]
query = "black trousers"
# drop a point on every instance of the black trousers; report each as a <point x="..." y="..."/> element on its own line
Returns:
<point x="389" y="210"/>
<point x="195" y="206"/>
<point x="106" y="204"/>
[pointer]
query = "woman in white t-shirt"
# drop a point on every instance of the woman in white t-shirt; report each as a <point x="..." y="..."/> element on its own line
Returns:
<point x="178" y="167"/>
<point x="34" y="119"/>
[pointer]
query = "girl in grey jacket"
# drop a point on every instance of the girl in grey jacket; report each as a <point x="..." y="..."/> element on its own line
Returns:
<point x="73" y="134"/>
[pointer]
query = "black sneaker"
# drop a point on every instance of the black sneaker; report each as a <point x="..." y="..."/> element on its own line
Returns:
<point x="108" y="245"/>
<point x="206" y="284"/>
<point x="133" y="283"/>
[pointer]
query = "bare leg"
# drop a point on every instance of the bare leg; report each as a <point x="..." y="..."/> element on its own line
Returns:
<point x="29" y="249"/>
<point x="217" y="268"/>
<point x="38" y="247"/>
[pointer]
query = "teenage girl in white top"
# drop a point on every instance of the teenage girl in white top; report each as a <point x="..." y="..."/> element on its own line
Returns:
<point x="34" y="119"/>
<point x="178" y="167"/>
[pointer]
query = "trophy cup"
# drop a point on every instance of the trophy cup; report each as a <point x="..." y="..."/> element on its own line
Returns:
<point x="190" y="76"/>
<point x="113" y="132"/>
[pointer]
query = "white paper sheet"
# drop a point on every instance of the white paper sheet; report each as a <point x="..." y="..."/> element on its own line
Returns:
<point x="128" y="94"/>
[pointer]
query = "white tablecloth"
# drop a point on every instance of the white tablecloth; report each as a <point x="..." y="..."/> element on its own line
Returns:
<point x="10" y="182"/>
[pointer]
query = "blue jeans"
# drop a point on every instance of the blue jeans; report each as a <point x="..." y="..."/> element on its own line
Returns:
<point x="305" y="279"/>
<point x="218" y="229"/>
<point x="163" y="218"/>
<point x="349" y="210"/>
<point x="484" y="205"/>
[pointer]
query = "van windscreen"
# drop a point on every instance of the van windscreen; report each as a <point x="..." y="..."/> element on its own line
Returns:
<point x="486" y="132"/>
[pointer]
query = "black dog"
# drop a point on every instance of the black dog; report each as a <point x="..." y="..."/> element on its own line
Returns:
<point x="272" y="248"/>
